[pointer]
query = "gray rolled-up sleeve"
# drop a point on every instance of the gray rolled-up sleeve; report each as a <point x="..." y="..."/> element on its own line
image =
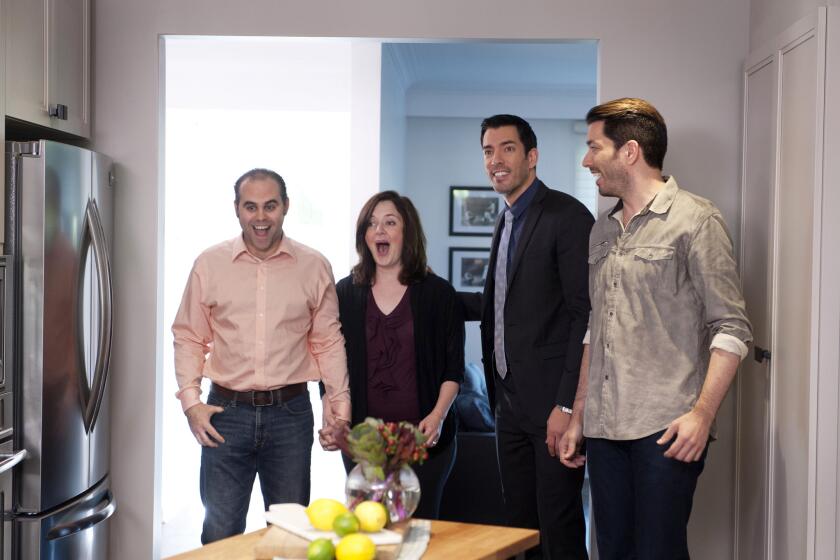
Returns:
<point x="714" y="275"/>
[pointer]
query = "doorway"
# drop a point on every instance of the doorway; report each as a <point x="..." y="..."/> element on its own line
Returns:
<point x="340" y="119"/>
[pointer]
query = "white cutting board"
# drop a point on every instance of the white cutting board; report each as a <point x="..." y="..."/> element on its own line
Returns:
<point x="292" y="518"/>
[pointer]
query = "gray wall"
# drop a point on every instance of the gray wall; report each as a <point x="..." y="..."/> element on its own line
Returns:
<point x="768" y="18"/>
<point x="685" y="56"/>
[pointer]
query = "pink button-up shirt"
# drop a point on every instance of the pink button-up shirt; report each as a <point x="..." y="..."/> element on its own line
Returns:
<point x="250" y="324"/>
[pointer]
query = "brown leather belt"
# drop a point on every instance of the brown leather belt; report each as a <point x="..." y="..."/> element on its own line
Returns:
<point x="261" y="398"/>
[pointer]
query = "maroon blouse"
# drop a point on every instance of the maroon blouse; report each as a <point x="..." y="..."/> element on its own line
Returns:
<point x="392" y="370"/>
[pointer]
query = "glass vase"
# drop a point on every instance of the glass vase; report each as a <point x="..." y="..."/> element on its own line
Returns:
<point x="399" y="492"/>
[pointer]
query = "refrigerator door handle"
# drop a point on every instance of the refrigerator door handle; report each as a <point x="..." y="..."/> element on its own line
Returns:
<point x="93" y="236"/>
<point x="9" y="460"/>
<point x="104" y="509"/>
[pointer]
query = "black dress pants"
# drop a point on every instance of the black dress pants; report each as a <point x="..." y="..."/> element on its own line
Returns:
<point x="539" y="491"/>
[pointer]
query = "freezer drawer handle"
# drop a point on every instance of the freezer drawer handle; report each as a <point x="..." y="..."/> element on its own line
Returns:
<point x="9" y="460"/>
<point x="104" y="510"/>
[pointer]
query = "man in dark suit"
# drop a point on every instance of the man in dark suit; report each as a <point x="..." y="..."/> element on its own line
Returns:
<point x="534" y="314"/>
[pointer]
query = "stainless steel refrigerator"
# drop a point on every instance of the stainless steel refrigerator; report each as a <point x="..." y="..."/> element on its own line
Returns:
<point x="59" y="226"/>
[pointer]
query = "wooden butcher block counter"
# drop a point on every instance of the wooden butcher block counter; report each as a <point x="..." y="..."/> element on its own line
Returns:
<point x="449" y="541"/>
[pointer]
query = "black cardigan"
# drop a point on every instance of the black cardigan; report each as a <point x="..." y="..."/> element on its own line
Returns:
<point x="438" y="343"/>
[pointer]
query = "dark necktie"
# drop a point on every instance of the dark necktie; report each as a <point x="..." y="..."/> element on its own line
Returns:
<point x="499" y="295"/>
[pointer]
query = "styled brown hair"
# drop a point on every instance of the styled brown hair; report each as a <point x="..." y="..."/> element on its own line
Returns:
<point x="413" y="256"/>
<point x="631" y="118"/>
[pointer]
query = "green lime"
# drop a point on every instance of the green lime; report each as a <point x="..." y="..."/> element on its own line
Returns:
<point x="345" y="523"/>
<point x="320" y="549"/>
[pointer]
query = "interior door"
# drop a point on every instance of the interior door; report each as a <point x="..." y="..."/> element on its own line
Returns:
<point x="756" y="276"/>
<point x="790" y="391"/>
<point x="781" y="127"/>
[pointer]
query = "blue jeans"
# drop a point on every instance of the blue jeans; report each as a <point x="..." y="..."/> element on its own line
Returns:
<point x="641" y="499"/>
<point x="273" y="441"/>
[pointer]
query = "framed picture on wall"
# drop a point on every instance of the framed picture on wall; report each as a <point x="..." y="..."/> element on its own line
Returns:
<point x="468" y="268"/>
<point x="473" y="210"/>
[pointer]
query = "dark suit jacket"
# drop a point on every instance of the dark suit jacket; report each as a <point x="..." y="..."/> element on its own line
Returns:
<point x="547" y="304"/>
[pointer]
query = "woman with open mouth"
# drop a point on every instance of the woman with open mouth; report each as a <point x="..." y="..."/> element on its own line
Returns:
<point x="404" y="335"/>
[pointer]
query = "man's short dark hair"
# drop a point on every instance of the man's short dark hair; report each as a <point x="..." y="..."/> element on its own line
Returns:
<point x="526" y="133"/>
<point x="261" y="173"/>
<point x="631" y="118"/>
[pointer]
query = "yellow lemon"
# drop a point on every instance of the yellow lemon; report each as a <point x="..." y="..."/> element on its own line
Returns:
<point x="372" y="516"/>
<point x="355" y="547"/>
<point x="323" y="511"/>
<point x="320" y="549"/>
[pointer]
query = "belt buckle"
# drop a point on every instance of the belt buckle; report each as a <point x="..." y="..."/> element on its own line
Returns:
<point x="260" y="400"/>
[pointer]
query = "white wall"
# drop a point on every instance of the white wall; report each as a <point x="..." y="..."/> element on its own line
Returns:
<point x="393" y="115"/>
<point x="685" y="56"/>
<point x="364" y="132"/>
<point x="305" y="75"/>
<point x="428" y="102"/>
<point x="304" y="101"/>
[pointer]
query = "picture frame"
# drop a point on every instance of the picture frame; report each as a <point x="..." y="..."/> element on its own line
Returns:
<point x="468" y="268"/>
<point x="473" y="210"/>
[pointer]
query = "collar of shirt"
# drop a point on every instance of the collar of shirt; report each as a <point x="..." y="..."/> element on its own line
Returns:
<point x="524" y="201"/>
<point x="659" y="204"/>
<point x="286" y="246"/>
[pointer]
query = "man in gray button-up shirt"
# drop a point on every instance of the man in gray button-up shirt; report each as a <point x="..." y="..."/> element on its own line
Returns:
<point x="667" y="332"/>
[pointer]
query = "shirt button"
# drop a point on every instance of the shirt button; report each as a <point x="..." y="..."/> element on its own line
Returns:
<point x="611" y="313"/>
<point x="607" y="377"/>
<point x="615" y="284"/>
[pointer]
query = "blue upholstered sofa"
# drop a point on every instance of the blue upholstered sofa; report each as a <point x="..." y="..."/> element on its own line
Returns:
<point x="473" y="492"/>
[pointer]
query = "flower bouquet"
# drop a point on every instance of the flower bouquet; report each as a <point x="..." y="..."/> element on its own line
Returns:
<point x="383" y="452"/>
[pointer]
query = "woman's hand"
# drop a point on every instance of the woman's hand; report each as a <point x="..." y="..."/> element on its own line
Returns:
<point x="329" y="434"/>
<point x="332" y="427"/>
<point x="431" y="426"/>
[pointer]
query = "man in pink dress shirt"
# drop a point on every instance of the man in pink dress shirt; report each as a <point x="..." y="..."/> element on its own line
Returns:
<point x="259" y="318"/>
